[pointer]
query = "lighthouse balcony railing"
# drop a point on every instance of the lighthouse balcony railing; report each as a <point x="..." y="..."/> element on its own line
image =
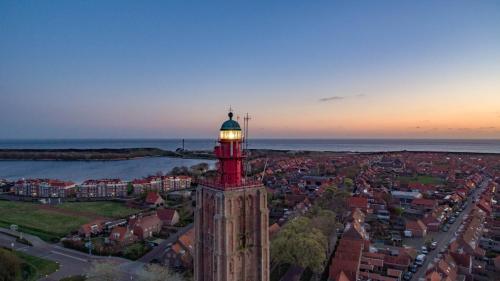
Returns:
<point x="218" y="184"/>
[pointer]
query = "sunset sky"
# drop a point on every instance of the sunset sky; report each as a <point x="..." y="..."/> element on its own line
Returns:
<point x="328" y="69"/>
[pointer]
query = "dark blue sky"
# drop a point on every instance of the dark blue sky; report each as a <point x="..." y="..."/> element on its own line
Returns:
<point x="71" y="69"/>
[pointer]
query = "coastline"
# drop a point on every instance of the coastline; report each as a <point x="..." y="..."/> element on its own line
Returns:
<point x="123" y="154"/>
<point x="106" y="154"/>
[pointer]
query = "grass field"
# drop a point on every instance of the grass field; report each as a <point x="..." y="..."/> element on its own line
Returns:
<point x="103" y="209"/>
<point x="46" y="224"/>
<point x="51" y="223"/>
<point x="421" y="179"/>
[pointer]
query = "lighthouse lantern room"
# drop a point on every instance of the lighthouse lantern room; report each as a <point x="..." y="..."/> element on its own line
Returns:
<point x="229" y="153"/>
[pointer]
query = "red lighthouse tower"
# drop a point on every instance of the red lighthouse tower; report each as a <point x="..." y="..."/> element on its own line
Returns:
<point x="230" y="154"/>
<point x="231" y="218"/>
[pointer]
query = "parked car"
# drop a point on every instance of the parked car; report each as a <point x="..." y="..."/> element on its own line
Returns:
<point x="407" y="276"/>
<point x="433" y="245"/>
<point x="446" y="228"/>
<point x="420" y="259"/>
<point x="424" y="250"/>
<point x="413" y="268"/>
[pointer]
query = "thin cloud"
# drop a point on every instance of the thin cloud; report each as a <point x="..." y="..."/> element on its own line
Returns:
<point x="334" y="98"/>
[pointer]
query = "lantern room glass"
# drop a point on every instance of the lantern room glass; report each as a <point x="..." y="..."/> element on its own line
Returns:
<point x="230" y="135"/>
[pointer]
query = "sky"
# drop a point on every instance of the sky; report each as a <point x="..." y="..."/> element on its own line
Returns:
<point x="301" y="69"/>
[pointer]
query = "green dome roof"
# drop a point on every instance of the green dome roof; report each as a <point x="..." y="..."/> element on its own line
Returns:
<point x="230" y="124"/>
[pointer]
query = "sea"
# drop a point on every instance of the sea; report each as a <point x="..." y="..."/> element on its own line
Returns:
<point x="79" y="171"/>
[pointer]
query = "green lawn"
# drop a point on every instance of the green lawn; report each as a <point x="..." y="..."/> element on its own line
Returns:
<point x="50" y="225"/>
<point x="422" y="179"/>
<point x="36" y="267"/>
<point x="104" y="209"/>
<point x="46" y="224"/>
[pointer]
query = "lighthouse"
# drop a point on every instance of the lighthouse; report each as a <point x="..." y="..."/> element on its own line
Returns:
<point x="231" y="217"/>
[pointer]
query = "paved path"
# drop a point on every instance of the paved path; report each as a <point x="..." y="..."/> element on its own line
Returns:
<point x="444" y="238"/>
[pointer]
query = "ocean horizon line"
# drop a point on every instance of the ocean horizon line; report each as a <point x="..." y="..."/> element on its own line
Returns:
<point x="256" y="138"/>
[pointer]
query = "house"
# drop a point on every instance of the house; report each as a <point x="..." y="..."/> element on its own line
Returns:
<point x="180" y="254"/>
<point x="417" y="228"/>
<point x="145" y="227"/>
<point x="358" y="203"/>
<point x="102" y="188"/>
<point x="423" y="188"/>
<point x="151" y="183"/>
<point x="154" y="200"/>
<point x="434" y="276"/>
<point x="424" y="204"/>
<point x="485" y="205"/>
<point x="122" y="235"/>
<point x="405" y="197"/>
<point x="291" y="200"/>
<point x="443" y="269"/>
<point x="346" y="263"/>
<point x="433" y="220"/>
<point x="92" y="228"/>
<point x="168" y="216"/>
<point x="44" y="188"/>
<point x="175" y="182"/>
<point x="355" y="231"/>
<point x="356" y="215"/>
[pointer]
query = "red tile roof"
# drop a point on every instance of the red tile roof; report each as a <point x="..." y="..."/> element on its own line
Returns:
<point x="357" y="202"/>
<point x="430" y="203"/>
<point x="347" y="260"/>
<point x="166" y="214"/>
<point x="152" y="197"/>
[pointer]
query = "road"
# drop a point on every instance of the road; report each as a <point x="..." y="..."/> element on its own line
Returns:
<point x="444" y="238"/>
<point x="70" y="262"/>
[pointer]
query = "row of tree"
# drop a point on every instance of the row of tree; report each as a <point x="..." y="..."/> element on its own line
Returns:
<point x="306" y="240"/>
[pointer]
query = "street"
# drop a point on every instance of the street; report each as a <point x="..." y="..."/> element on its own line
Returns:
<point x="71" y="262"/>
<point x="443" y="238"/>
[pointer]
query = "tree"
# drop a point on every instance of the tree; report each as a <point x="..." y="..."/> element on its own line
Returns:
<point x="398" y="211"/>
<point x="348" y="182"/>
<point x="309" y="245"/>
<point x="334" y="199"/>
<point x="103" y="271"/>
<point x="323" y="220"/>
<point x="180" y="171"/>
<point x="326" y="222"/>
<point x="130" y="188"/>
<point x="10" y="266"/>
<point x="154" y="272"/>
<point x="199" y="169"/>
